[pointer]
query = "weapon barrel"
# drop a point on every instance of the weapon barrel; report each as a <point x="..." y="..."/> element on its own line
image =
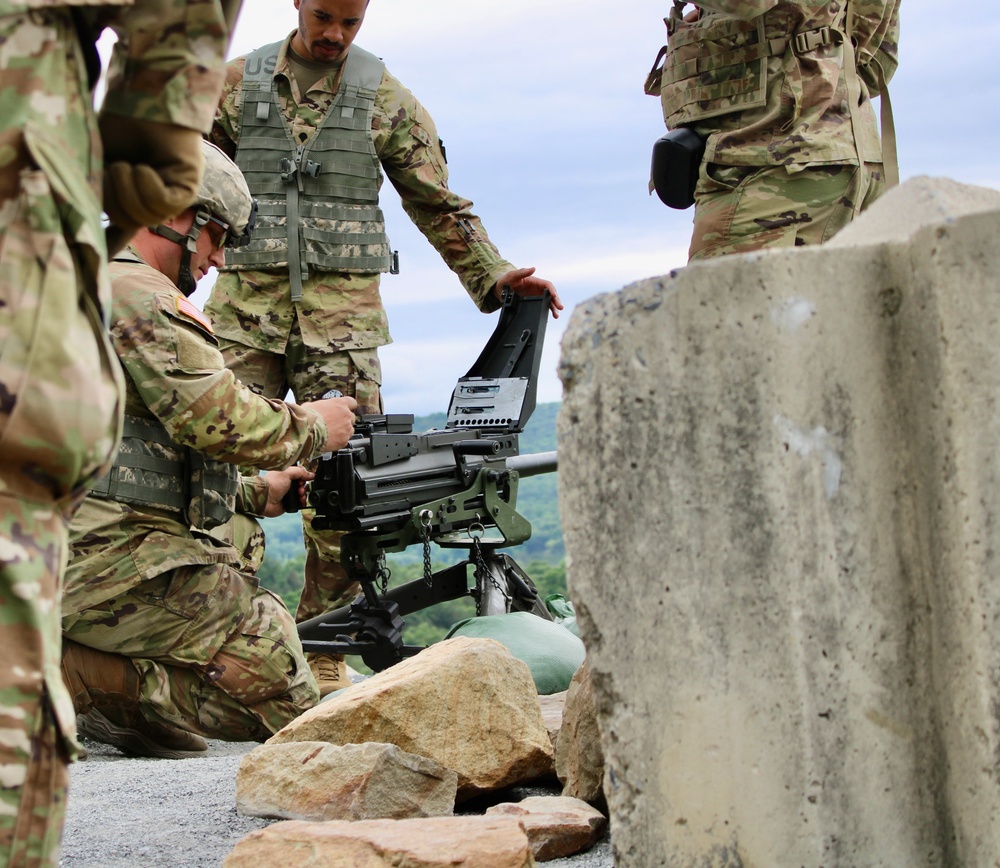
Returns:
<point x="534" y="464"/>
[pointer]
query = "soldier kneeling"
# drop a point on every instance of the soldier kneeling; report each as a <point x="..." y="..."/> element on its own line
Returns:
<point x="167" y="635"/>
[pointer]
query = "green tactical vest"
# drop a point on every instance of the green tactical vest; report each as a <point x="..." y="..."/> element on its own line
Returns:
<point x="151" y="470"/>
<point x="318" y="202"/>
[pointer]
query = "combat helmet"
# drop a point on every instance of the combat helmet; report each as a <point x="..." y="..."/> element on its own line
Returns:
<point x="223" y="198"/>
<point x="226" y="196"/>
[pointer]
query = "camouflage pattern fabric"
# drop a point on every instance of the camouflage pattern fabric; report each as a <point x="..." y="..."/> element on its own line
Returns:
<point x="33" y="750"/>
<point x="329" y="339"/>
<point x="744" y="208"/>
<point x="340" y="311"/>
<point x="778" y="85"/>
<point x="216" y="654"/>
<point x="177" y="375"/>
<point x="800" y="113"/>
<point x="355" y="373"/>
<point x="60" y="388"/>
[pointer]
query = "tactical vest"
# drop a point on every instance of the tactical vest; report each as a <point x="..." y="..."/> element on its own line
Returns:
<point x="719" y="65"/>
<point x="151" y="470"/>
<point x="318" y="202"/>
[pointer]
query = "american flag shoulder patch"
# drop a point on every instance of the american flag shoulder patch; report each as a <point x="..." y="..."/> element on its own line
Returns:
<point x="187" y="309"/>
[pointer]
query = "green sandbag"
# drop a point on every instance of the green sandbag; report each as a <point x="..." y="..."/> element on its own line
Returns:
<point x="551" y="651"/>
<point x="562" y="612"/>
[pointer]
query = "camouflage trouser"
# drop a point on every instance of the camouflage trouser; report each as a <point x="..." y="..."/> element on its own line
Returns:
<point x="33" y="750"/>
<point x="216" y="655"/>
<point x="744" y="208"/>
<point x="309" y="374"/>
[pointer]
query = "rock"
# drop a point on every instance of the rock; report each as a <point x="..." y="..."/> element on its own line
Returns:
<point x="556" y="825"/>
<point x="579" y="756"/>
<point x="320" y="781"/>
<point x="468" y="704"/>
<point x="552" y="713"/>
<point x="439" y="842"/>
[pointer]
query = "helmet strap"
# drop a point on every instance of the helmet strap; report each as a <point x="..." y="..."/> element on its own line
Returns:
<point x="188" y="244"/>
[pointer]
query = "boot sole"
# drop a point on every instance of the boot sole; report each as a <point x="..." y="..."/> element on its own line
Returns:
<point x="129" y="741"/>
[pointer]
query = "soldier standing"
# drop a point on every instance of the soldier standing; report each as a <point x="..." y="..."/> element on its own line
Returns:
<point x="314" y="121"/>
<point x="781" y="93"/>
<point x="60" y="387"/>
<point x="165" y="639"/>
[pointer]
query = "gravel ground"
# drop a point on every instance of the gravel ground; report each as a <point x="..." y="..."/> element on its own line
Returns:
<point x="150" y="813"/>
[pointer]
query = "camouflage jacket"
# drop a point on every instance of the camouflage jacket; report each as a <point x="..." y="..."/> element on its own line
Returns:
<point x="50" y="215"/>
<point x="770" y="82"/>
<point x="168" y="63"/>
<point x="175" y="373"/>
<point x="342" y="310"/>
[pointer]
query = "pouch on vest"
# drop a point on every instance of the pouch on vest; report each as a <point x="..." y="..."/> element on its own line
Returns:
<point x="674" y="171"/>
<point x="714" y="66"/>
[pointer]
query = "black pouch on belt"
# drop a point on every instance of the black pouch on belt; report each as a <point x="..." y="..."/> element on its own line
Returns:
<point x="674" y="173"/>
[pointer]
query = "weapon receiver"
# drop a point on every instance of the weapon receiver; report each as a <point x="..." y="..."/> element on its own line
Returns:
<point x="390" y="488"/>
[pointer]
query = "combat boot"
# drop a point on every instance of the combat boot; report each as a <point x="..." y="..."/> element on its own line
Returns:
<point x="105" y="691"/>
<point x="143" y="738"/>
<point x="329" y="670"/>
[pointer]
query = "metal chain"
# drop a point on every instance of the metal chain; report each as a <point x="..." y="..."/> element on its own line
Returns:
<point x="382" y="573"/>
<point x="425" y="536"/>
<point x="482" y="572"/>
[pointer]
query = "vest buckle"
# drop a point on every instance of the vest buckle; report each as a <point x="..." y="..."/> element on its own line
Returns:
<point x="807" y="40"/>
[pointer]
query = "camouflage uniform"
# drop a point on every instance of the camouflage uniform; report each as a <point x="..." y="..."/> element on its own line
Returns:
<point x="783" y="96"/>
<point x="330" y="338"/>
<point x="60" y="388"/>
<point x="216" y="654"/>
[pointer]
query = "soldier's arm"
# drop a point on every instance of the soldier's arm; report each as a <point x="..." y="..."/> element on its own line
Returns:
<point x="262" y="495"/>
<point x="410" y="151"/>
<point x="882" y="46"/>
<point x="181" y="377"/>
<point x="168" y="63"/>
<point x="225" y="130"/>
<point x="164" y="80"/>
<point x="251" y="496"/>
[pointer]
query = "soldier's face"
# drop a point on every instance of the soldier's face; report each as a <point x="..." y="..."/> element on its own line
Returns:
<point x="209" y="251"/>
<point x="327" y="28"/>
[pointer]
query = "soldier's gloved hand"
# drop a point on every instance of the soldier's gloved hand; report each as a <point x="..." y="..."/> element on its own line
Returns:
<point x="338" y="413"/>
<point x="152" y="171"/>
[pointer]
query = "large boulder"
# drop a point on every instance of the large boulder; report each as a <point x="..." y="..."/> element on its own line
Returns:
<point x="556" y="825"/>
<point x="318" y="781"/>
<point x="468" y="704"/>
<point x="579" y="755"/>
<point x="437" y="842"/>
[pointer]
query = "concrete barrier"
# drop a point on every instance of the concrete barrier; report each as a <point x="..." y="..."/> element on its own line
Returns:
<point x="780" y="494"/>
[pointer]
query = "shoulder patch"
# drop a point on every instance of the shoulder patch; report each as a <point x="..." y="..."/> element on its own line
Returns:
<point x="186" y="308"/>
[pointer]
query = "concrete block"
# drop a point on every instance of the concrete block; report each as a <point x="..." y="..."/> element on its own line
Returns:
<point x="780" y="497"/>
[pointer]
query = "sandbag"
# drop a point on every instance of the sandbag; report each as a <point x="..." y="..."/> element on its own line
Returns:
<point x="551" y="651"/>
<point x="562" y="612"/>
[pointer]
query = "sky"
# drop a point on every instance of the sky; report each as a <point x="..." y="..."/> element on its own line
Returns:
<point x="547" y="130"/>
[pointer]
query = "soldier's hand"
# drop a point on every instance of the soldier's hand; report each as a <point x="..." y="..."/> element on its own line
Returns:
<point x="152" y="171"/>
<point x="338" y="413"/>
<point x="280" y="482"/>
<point x="522" y="281"/>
